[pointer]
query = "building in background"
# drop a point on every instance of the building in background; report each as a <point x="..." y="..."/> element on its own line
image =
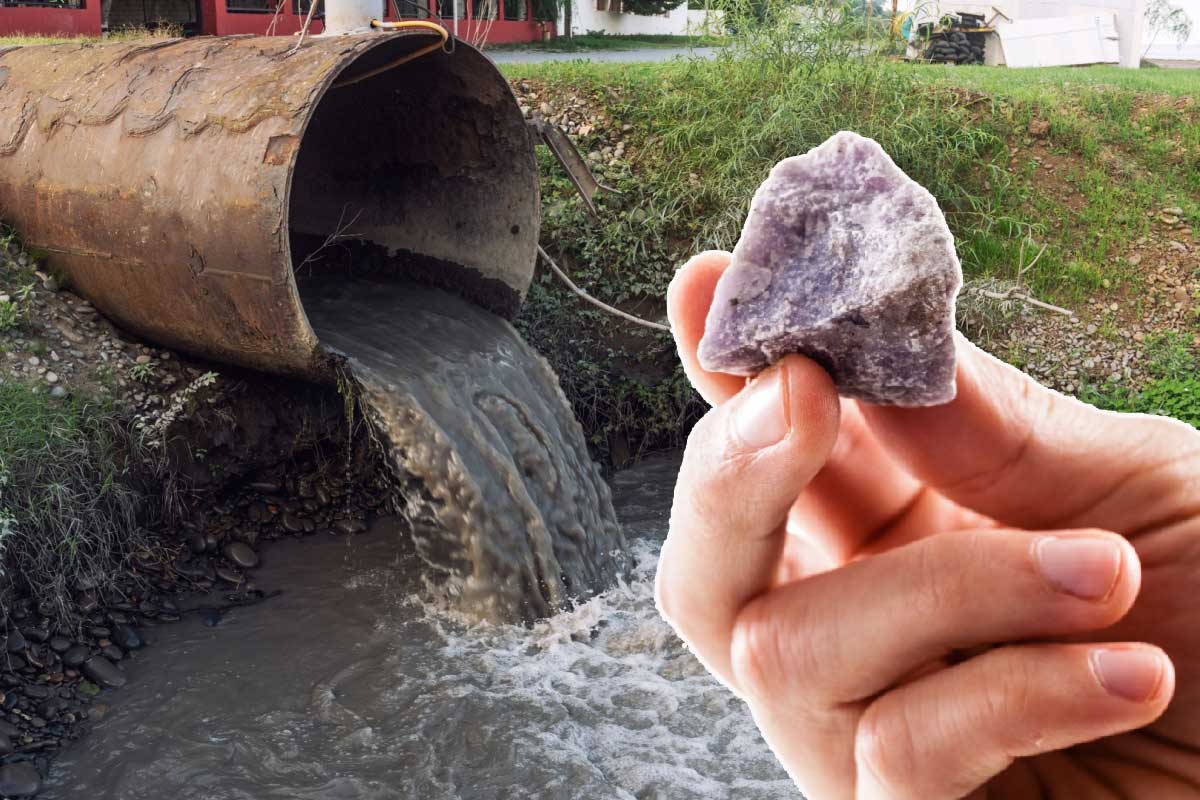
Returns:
<point x="608" y="17"/>
<point x="495" y="21"/>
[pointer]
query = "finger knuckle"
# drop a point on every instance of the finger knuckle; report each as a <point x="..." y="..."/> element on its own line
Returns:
<point x="756" y="656"/>
<point x="664" y="596"/>
<point x="672" y="597"/>
<point x="710" y="481"/>
<point x="1008" y="696"/>
<point x="884" y="746"/>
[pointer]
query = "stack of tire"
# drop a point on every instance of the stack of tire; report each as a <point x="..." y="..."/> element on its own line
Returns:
<point x="955" y="47"/>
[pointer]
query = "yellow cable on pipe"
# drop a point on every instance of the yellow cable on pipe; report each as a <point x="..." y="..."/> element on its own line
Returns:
<point x="397" y="26"/>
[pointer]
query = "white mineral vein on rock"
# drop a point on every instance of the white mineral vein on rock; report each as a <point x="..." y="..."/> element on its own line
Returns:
<point x="847" y="260"/>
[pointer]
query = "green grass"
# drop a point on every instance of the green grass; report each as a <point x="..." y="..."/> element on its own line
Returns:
<point x="1174" y="392"/>
<point x="705" y="133"/>
<point x="24" y="40"/>
<point x="76" y="490"/>
<point x="1048" y="83"/>
<point x="602" y="41"/>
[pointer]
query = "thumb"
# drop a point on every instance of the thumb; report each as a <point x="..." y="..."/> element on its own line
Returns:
<point x="745" y="464"/>
<point x="1031" y="457"/>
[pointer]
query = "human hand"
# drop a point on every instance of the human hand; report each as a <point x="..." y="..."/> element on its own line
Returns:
<point x="990" y="598"/>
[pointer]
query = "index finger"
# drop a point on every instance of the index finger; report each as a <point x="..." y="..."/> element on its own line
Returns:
<point x="858" y="492"/>
<point x="688" y="300"/>
<point x="1031" y="457"/>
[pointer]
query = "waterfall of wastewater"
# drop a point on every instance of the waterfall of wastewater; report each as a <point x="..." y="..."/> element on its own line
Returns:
<point x="507" y="508"/>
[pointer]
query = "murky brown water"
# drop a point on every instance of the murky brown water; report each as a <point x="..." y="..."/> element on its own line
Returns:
<point x="350" y="687"/>
<point x="507" y="508"/>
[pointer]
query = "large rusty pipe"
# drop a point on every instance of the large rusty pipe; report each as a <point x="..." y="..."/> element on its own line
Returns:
<point x="179" y="184"/>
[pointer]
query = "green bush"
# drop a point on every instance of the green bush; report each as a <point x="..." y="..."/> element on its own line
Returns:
<point x="1175" y="390"/>
<point x="1167" y="397"/>
<point x="1173" y="397"/>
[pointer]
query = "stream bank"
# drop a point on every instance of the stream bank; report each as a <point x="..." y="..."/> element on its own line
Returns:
<point x="132" y="480"/>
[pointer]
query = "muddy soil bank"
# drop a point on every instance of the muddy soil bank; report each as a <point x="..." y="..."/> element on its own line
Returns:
<point x="217" y="462"/>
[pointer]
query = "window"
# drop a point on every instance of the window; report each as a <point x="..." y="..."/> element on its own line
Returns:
<point x="250" y="6"/>
<point x="413" y="9"/>
<point x="300" y="8"/>
<point x="517" y="10"/>
<point x="446" y="9"/>
<point x="70" y="4"/>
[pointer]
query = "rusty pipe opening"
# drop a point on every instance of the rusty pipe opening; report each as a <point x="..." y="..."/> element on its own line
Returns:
<point x="425" y="171"/>
<point x="186" y="186"/>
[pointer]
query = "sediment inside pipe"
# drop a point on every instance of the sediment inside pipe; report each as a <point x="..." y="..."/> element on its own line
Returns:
<point x="424" y="171"/>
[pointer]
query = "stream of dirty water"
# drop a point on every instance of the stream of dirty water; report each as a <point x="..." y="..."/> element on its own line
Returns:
<point x="352" y="686"/>
<point x="506" y="506"/>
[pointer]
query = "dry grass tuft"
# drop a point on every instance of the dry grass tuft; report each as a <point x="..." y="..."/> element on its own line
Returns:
<point x="78" y="491"/>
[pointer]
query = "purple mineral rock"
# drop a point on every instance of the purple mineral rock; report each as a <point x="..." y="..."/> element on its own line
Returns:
<point x="847" y="260"/>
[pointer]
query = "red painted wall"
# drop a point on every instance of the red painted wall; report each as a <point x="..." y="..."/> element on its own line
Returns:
<point x="216" y="20"/>
<point x="51" y="21"/>
<point x="502" y="31"/>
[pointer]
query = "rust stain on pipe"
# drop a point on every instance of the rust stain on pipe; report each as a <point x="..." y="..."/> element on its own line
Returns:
<point x="176" y="184"/>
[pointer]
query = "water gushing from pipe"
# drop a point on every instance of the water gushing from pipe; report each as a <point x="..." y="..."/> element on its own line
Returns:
<point x="505" y="504"/>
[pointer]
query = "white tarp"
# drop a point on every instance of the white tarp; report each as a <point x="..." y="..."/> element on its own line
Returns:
<point x="1166" y="46"/>
<point x="1130" y="23"/>
<point x="1060" y="41"/>
<point x="1130" y="18"/>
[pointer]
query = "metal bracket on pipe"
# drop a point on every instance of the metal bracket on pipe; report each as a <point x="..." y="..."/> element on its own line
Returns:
<point x="572" y="163"/>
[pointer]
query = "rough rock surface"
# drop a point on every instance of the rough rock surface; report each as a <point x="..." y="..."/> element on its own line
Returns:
<point x="847" y="260"/>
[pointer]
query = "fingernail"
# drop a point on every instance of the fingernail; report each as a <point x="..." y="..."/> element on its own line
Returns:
<point x="1083" y="566"/>
<point x="760" y="416"/>
<point x="1129" y="673"/>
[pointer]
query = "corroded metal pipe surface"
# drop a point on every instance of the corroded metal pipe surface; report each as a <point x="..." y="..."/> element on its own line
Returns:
<point x="181" y="185"/>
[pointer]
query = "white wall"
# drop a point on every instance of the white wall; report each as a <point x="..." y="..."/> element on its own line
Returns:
<point x="585" y="17"/>
<point x="709" y="22"/>
<point x="1166" y="47"/>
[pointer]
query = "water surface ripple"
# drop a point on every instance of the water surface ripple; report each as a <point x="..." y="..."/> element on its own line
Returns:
<point x="349" y="687"/>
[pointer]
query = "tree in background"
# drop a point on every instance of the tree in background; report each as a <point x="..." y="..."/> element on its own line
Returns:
<point x="1162" y="17"/>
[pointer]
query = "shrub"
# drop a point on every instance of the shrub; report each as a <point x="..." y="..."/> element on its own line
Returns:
<point x="1167" y="397"/>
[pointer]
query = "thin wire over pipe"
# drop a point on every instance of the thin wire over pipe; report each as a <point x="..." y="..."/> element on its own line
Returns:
<point x="658" y="326"/>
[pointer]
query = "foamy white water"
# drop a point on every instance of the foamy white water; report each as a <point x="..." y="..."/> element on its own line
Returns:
<point x="349" y="686"/>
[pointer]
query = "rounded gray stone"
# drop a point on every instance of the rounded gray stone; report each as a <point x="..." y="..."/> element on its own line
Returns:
<point x="103" y="672"/>
<point x="242" y="555"/>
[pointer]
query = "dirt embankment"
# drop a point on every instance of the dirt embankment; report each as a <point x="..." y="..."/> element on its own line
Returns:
<point x="1123" y="320"/>
<point x="206" y="465"/>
